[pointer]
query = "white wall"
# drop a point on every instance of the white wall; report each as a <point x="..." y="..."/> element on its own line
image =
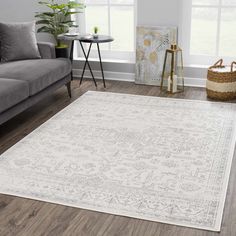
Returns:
<point x="17" y="10"/>
<point x="158" y="12"/>
<point x="150" y="12"/>
<point x="20" y="11"/>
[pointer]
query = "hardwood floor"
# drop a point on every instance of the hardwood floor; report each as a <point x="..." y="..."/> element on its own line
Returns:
<point x="23" y="217"/>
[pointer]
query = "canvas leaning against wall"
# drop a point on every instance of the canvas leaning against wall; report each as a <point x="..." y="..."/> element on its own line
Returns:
<point x="152" y="43"/>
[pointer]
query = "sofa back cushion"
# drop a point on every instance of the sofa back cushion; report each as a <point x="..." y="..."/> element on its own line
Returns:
<point x="18" y="41"/>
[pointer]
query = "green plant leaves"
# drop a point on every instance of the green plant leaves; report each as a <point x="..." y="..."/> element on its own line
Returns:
<point x="74" y="4"/>
<point x="46" y="29"/>
<point x="57" y="19"/>
<point x="43" y="22"/>
<point x="44" y="14"/>
<point x="72" y="13"/>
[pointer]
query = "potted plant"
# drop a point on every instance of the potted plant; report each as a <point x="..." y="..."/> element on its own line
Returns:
<point x="95" y="32"/>
<point x="57" y="20"/>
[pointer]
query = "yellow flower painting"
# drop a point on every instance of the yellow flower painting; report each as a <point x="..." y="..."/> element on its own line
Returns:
<point x="152" y="43"/>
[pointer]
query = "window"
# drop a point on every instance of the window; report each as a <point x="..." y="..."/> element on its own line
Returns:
<point x="115" y="18"/>
<point x="211" y="34"/>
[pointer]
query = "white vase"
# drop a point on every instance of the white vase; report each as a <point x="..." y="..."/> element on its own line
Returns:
<point x="175" y="84"/>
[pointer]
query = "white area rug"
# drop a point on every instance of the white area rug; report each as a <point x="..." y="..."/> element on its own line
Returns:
<point x="151" y="158"/>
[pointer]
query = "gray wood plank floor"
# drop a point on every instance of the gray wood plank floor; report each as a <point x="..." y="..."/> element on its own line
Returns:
<point x="24" y="217"/>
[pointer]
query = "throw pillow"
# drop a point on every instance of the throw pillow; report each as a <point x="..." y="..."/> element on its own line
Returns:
<point x="18" y="41"/>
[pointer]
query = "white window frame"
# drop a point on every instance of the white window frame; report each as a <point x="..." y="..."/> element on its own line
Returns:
<point x="107" y="55"/>
<point x="186" y="34"/>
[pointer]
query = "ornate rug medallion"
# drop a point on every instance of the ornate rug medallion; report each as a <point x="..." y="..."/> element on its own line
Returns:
<point x="159" y="159"/>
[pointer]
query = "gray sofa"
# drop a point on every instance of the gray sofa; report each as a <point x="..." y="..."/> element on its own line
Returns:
<point x="24" y="83"/>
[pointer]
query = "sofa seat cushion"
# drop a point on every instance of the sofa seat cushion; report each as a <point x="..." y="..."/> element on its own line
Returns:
<point x="12" y="92"/>
<point x="39" y="73"/>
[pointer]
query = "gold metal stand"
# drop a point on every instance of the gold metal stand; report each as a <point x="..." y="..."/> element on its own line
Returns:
<point x="174" y="68"/>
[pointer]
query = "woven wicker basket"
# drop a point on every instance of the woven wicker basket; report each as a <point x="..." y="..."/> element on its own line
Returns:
<point x="221" y="81"/>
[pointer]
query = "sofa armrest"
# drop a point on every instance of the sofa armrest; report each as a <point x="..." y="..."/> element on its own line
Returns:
<point x="47" y="50"/>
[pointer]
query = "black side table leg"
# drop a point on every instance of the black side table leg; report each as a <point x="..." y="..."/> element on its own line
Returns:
<point x="100" y="60"/>
<point x="71" y="57"/>
<point x="87" y="63"/>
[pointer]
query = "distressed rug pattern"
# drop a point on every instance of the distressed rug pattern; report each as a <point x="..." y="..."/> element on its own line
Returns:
<point x="159" y="159"/>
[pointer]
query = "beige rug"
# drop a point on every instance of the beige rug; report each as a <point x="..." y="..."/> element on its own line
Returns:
<point x="151" y="158"/>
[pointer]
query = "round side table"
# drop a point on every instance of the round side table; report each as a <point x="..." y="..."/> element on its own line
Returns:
<point x="93" y="40"/>
<point x="90" y="40"/>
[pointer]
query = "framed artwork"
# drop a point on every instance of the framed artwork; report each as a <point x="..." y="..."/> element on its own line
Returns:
<point x="152" y="43"/>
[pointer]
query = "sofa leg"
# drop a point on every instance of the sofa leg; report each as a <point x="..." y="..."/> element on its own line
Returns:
<point x="68" y="85"/>
<point x="71" y="74"/>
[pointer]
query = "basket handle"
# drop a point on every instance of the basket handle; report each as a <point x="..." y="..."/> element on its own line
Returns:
<point x="217" y="64"/>
<point x="232" y="65"/>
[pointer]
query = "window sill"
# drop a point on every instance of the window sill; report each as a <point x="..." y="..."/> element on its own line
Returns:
<point x="197" y="66"/>
<point x="92" y="59"/>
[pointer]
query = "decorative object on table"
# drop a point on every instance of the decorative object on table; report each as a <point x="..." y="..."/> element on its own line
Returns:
<point x="221" y="81"/>
<point x="86" y="36"/>
<point x="95" y="32"/>
<point x="71" y="34"/>
<point x="173" y="70"/>
<point x="152" y="43"/>
<point x="58" y="21"/>
<point x="139" y="165"/>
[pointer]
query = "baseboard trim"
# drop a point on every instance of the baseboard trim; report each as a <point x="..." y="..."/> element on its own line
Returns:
<point x="130" y="77"/>
<point x="109" y="75"/>
<point x="195" y="82"/>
